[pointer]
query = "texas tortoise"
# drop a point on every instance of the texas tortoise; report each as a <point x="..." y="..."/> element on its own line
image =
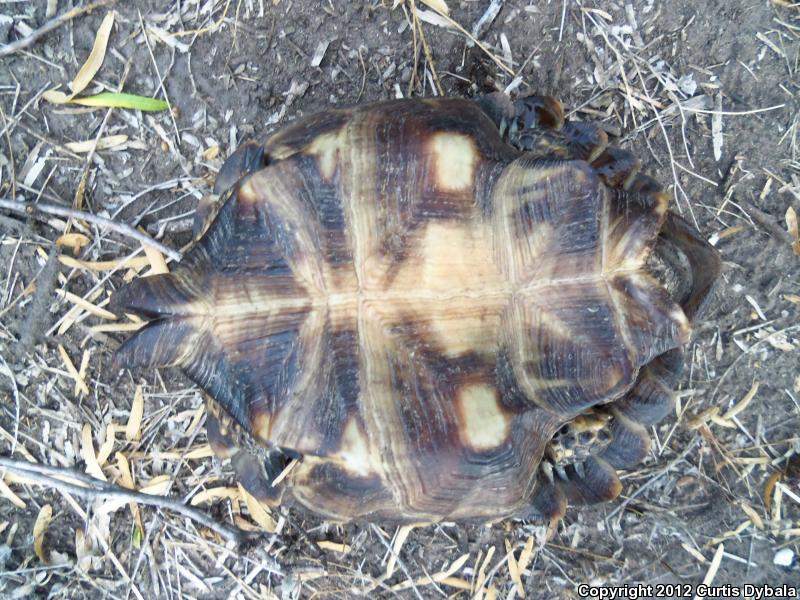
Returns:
<point x="433" y="309"/>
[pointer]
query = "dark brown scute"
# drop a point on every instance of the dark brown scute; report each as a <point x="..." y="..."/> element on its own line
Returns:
<point x="652" y="328"/>
<point x="160" y="343"/>
<point x="153" y="297"/>
<point x="248" y="158"/>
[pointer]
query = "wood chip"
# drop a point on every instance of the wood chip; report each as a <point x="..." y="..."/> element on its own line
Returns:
<point x="716" y="127"/>
<point x="133" y="428"/>
<point x="319" y="53"/>
<point x="74" y="373"/>
<point x="286" y="470"/>
<point x="39" y="527"/>
<point x="113" y="327"/>
<point x="794" y="229"/>
<point x="137" y="263"/>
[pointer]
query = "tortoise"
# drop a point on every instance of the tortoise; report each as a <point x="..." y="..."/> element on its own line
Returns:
<point x="431" y="309"/>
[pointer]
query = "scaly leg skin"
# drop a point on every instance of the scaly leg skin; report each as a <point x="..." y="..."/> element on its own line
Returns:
<point x="256" y="468"/>
<point x="536" y="124"/>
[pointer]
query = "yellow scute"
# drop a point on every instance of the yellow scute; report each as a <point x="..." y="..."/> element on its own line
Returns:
<point x="326" y="148"/>
<point x="484" y="425"/>
<point x="354" y="453"/>
<point x="454" y="158"/>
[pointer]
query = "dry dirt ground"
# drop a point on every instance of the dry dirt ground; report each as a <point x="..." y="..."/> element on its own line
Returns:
<point x="719" y="497"/>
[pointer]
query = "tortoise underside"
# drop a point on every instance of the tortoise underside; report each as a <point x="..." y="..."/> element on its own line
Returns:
<point x="414" y="308"/>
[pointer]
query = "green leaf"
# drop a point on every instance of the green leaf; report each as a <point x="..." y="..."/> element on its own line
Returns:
<point x="119" y="100"/>
<point x="136" y="537"/>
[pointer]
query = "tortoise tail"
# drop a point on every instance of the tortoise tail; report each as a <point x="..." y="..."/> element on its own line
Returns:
<point x="173" y="333"/>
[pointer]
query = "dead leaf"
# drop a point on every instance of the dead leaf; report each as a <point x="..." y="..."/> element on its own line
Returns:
<point x="108" y="444"/>
<point x="334" y="546"/>
<point x="73" y="372"/>
<point x="157" y="486"/>
<point x="794" y="230"/>
<point x="88" y="453"/>
<point x="133" y="429"/>
<point x="96" y="56"/>
<point x="216" y="493"/>
<point x="75" y="241"/>
<point x="39" y="527"/>
<point x="259" y="514"/>
<point x="158" y="266"/>
<point x="104" y="143"/>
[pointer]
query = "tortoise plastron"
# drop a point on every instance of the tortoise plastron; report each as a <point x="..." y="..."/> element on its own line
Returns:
<point x="434" y="309"/>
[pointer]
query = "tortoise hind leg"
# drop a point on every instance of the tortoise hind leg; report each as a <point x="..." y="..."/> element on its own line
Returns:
<point x="255" y="468"/>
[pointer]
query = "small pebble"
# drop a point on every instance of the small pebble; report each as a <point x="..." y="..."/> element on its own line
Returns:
<point x="784" y="557"/>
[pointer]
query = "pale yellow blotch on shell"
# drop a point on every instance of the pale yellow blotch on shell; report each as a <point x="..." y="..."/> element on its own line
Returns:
<point x="484" y="425"/>
<point x="454" y="158"/>
<point x="325" y="147"/>
<point x="355" y="453"/>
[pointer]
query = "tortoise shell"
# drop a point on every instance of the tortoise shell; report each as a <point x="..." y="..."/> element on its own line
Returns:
<point x="434" y="309"/>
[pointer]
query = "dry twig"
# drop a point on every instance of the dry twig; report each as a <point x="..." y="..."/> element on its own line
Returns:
<point x="52" y="24"/>
<point x="95" y="488"/>
<point x="32" y="209"/>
